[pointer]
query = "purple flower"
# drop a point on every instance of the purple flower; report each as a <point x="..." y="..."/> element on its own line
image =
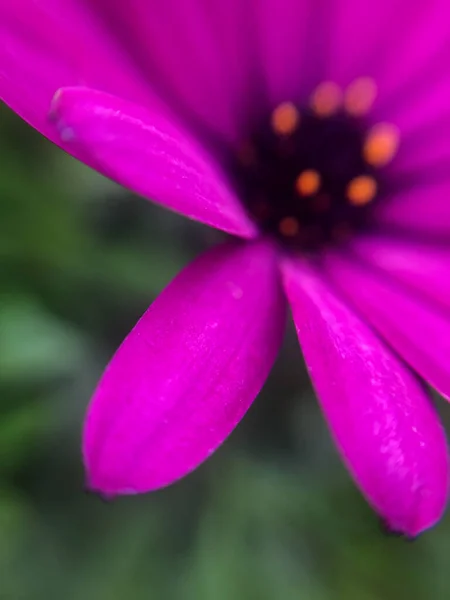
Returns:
<point x="317" y="134"/>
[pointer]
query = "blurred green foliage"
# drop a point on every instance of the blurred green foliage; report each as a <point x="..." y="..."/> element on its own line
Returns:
<point x="272" y="515"/>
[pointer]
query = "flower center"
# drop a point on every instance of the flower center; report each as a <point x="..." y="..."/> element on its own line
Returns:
<point x="311" y="175"/>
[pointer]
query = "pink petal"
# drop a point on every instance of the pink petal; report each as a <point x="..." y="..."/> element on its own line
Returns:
<point x="424" y="154"/>
<point x="145" y="152"/>
<point x="427" y="106"/>
<point x="188" y="371"/>
<point x="425" y="208"/>
<point x="411" y="70"/>
<point x="359" y="33"/>
<point x="414" y="87"/>
<point x="382" y="420"/>
<point x="375" y="39"/>
<point x="286" y="33"/>
<point x="424" y="125"/>
<point x="196" y="54"/>
<point x="126" y="48"/>
<point x="413" y="80"/>
<point x="48" y="44"/>
<point x="418" y="330"/>
<point x="423" y="267"/>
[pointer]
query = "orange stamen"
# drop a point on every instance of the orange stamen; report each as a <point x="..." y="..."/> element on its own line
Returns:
<point x="381" y="144"/>
<point x="360" y="96"/>
<point x="326" y="99"/>
<point x="285" y="119"/>
<point x="308" y="182"/>
<point x="361" y="190"/>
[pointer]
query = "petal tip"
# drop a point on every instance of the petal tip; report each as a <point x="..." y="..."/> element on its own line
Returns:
<point x="187" y="373"/>
<point x="105" y="490"/>
<point x="408" y="530"/>
<point x="424" y="513"/>
<point x="391" y="532"/>
<point x="66" y="133"/>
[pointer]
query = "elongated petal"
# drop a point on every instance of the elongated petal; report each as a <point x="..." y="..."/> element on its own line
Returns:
<point x="359" y="32"/>
<point x="196" y="54"/>
<point x="191" y="56"/>
<point x="402" y="66"/>
<point x="287" y="32"/>
<point x="418" y="330"/>
<point x="421" y="266"/>
<point x="382" y="420"/>
<point x="48" y="44"/>
<point x="375" y="39"/>
<point x="145" y="152"/>
<point x="425" y="209"/>
<point x="424" y="126"/>
<point x="187" y="373"/>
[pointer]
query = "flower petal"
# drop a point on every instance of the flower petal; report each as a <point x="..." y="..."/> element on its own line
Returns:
<point x="418" y="330"/>
<point x="126" y="49"/>
<point x="375" y="39"/>
<point x="423" y="267"/>
<point x="206" y="74"/>
<point x="412" y="69"/>
<point x="48" y="44"/>
<point x="425" y="208"/>
<point x="413" y="79"/>
<point x="423" y="156"/>
<point x="286" y="35"/>
<point x="188" y="371"/>
<point x="360" y="31"/>
<point x="383" y="422"/>
<point x="424" y="126"/>
<point x="145" y="152"/>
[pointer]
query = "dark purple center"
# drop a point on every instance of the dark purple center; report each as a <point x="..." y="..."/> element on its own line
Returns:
<point x="305" y="175"/>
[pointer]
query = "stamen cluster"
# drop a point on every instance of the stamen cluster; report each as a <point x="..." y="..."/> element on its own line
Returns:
<point x="310" y="175"/>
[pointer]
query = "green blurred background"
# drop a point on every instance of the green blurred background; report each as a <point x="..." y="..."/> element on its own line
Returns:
<point x="272" y="515"/>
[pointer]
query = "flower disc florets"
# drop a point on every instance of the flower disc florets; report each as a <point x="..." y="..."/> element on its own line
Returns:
<point x="311" y="176"/>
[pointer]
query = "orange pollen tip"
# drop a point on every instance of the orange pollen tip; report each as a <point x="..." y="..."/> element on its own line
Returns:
<point x="326" y="99"/>
<point x="285" y="119"/>
<point x="289" y="227"/>
<point x="307" y="183"/>
<point x="361" y="190"/>
<point x="360" y="96"/>
<point x="381" y="144"/>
